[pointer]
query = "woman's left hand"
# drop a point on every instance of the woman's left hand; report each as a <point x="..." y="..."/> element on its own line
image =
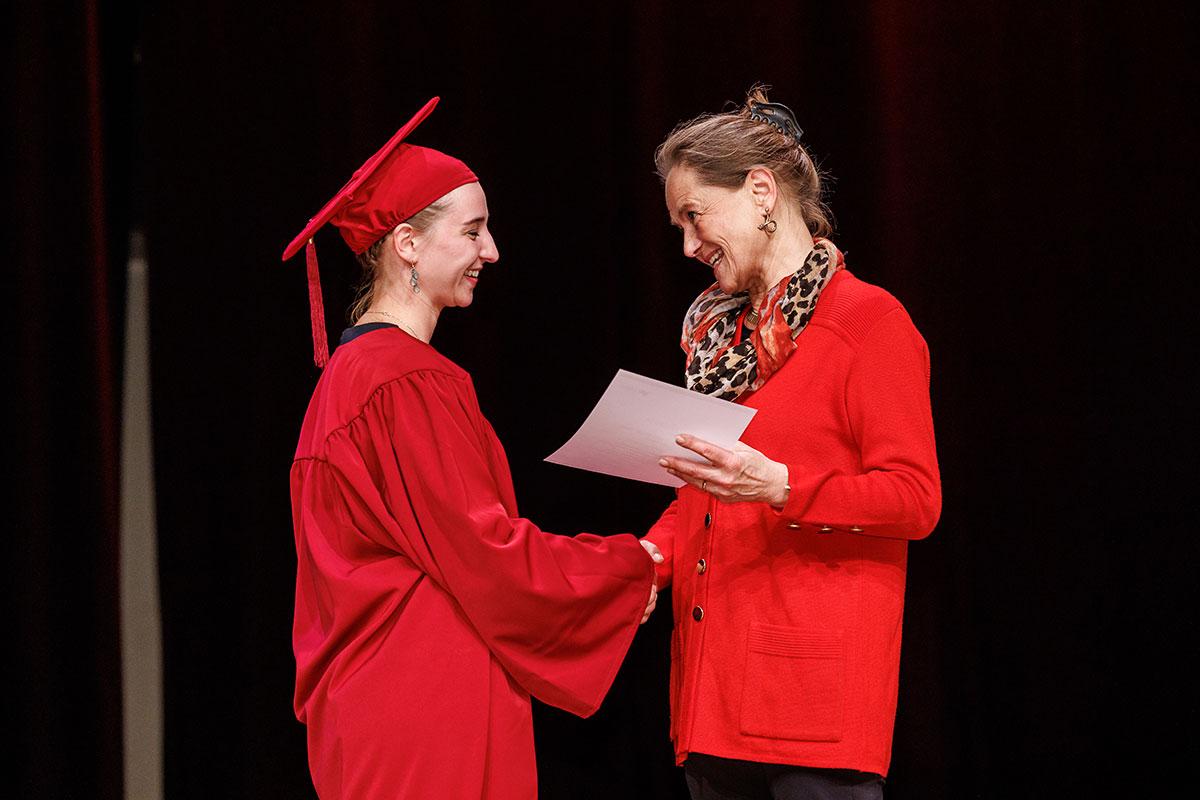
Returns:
<point x="740" y="475"/>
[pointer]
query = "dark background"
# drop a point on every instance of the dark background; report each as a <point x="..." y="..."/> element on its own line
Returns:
<point x="1019" y="175"/>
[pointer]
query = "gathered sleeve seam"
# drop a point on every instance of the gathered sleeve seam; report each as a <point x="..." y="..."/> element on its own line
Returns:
<point x="375" y="393"/>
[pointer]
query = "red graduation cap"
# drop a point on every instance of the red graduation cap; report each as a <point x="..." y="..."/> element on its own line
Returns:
<point x="394" y="184"/>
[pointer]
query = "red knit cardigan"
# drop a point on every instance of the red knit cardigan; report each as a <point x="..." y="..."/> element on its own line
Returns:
<point x="786" y="646"/>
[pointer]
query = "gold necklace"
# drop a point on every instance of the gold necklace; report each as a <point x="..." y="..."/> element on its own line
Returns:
<point x="399" y="321"/>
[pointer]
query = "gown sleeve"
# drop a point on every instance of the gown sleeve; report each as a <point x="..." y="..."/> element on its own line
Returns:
<point x="897" y="493"/>
<point x="558" y="612"/>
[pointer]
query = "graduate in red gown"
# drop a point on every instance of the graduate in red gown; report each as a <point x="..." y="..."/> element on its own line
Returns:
<point x="427" y="610"/>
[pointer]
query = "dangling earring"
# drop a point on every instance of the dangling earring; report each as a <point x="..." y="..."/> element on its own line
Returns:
<point x="412" y="281"/>
<point x="768" y="225"/>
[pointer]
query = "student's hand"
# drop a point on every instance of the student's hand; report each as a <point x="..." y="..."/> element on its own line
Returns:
<point x="657" y="558"/>
<point x="653" y="602"/>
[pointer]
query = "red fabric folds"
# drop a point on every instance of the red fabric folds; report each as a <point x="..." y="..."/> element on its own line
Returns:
<point x="427" y="609"/>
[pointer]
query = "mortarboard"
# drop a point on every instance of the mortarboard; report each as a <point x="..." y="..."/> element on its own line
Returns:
<point x="394" y="184"/>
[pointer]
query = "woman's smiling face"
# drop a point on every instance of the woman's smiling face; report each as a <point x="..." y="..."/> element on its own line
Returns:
<point x="720" y="227"/>
<point x="454" y="250"/>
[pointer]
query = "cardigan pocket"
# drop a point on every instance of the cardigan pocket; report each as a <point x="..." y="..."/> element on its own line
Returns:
<point x="793" y="686"/>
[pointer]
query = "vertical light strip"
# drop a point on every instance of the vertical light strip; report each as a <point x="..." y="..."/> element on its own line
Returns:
<point x="141" y="633"/>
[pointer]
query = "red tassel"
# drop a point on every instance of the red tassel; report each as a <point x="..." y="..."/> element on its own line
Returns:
<point x="316" y="308"/>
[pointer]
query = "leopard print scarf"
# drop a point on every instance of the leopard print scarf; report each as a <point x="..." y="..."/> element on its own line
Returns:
<point x="717" y="363"/>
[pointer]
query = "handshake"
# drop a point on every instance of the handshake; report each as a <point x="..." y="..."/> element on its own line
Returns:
<point x="657" y="558"/>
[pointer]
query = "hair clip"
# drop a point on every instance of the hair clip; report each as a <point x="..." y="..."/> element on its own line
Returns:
<point x="778" y="116"/>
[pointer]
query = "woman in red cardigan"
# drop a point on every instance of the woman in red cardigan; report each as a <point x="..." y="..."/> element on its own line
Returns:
<point x="788" y="552"/>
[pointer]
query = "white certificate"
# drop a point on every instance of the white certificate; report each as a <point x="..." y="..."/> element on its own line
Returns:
<point x="636" y="422"/>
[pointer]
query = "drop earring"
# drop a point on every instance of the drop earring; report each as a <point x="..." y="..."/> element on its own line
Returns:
<point x="412" y="281"/>
<point x="769" y="226"/>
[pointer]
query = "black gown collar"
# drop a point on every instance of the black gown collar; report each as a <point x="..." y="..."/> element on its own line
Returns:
<point x="350" y="334"/>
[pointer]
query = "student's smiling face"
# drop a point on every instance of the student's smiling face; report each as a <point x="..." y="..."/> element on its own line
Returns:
<point x="452" y="252"/>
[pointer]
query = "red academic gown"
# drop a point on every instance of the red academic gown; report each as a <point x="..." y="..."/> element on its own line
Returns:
<point x="427" y="610"/>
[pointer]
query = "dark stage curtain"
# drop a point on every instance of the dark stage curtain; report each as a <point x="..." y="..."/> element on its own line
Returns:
<point x="1012" y="173"/>
<point x="67" y="96"/>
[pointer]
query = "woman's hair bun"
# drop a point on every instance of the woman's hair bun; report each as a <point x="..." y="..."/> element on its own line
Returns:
<point x="777" y="115"/>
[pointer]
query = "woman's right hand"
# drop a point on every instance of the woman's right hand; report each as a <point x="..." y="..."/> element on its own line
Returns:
<point x="739" y="475"/>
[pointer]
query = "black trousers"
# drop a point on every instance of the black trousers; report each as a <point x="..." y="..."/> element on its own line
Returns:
<point x="714" y="778"/>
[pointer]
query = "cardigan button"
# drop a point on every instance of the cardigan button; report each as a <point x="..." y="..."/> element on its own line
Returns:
<point x="697" y="613"/>
<point x="856" y="529"/>
<point x="825" y="529"/>
<point x="708" y="520"/>
<point x="702" y="566"/>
